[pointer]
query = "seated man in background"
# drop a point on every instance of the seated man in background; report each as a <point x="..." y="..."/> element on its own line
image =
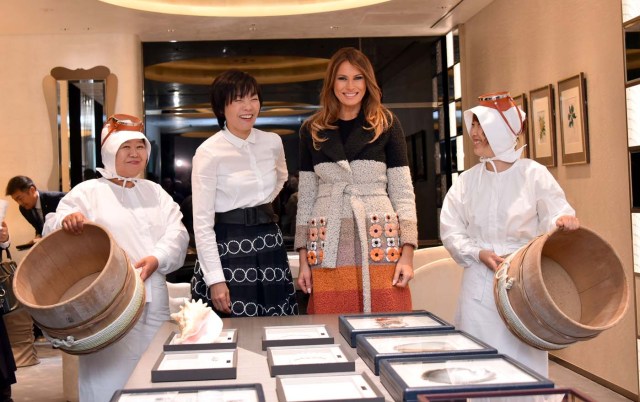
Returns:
<point x="34" y="204"/>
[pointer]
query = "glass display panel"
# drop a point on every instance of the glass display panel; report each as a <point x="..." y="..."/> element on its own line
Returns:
<point x="635" y="229"/>
<point x="633" y="115"/>
<point x="310" y="355"/>
<point x="326" y="388"/>
<point x="398" y="321"/>
<point x="295" y="332"/>
<point x="453" y="126"/>
<point x="457" y="82"/>
<point x="460" y="153"/>
<point x="426" y="343"/>
<point x="450" y="49"/>
<point x="231" y="395"/>
<point x="202" y="360"/>
<point x="630" y="10"/>
<point x="632" y="51"/>
<point x="461" y="372"/>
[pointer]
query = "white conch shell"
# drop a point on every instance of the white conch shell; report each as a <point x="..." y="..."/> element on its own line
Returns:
<point x="197" y="322"/>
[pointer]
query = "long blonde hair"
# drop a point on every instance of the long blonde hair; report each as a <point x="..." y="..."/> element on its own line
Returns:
<point x="378" y="118"/>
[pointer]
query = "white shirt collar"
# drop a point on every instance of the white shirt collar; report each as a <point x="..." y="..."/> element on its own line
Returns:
<point x="239" y="142"/>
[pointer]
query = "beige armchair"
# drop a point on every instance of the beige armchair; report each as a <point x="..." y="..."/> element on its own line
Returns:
<point x="435" y="287"/>
<point x="424" y="256"/>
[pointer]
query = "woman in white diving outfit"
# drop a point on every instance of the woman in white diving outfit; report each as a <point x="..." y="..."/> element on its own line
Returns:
<point x="146" y="224"/>
<point x="492" y="210"/>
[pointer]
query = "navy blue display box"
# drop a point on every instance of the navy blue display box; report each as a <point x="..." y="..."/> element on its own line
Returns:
<point x="228" y="339"/>
<point x="220" y="364"/>
<point x="560" y="394"/>
<point x="309" y="359"/>
<point x="405" y="379"/>
<point x="329" y="387"/>
<point x="242" y="392"/>
<point x="372" y="348"/>
<point x="354" y="325"/>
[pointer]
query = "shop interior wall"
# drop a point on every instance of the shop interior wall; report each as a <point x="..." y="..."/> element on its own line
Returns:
<point x="523" y="45"/>
<point x="26" y="144"/>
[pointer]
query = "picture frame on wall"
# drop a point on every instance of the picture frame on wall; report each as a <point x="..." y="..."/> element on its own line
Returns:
<point x="574" y="125"/>
<point x="523" y="138"/>
<point x="543" y="126"/>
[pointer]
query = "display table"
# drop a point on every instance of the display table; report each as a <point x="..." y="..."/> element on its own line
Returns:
<point x="252" y="360"/>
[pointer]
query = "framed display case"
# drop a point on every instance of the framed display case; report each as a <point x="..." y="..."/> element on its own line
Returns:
<point x="295" y="335"/>
<point x="543" y="126"/>
<point x="228" y="339"/>
<point x="236" y="392"/>
<point x="353" y="325"/>
<point x="309" y="359"/>
<point x="372" y="348"/>
<point x="346" y="387"/>
<point x="196" y="366"/>
<point x="554" y="394"/>
<point x="574" y="123"/>
<point x="406" y="378"/>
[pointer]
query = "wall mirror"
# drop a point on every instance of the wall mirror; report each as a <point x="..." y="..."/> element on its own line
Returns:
<point x="78" y="103"/>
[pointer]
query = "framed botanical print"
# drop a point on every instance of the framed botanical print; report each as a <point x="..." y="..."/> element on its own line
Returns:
<point x="523" y="138"/>
<point x="543" y="127"/>
<point x="574" y="127"/>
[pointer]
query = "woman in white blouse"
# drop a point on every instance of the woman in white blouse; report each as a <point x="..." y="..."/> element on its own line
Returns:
<point x="146" y="224"/>
<point x="492" y="210"/>
<point x="242" y="265"/>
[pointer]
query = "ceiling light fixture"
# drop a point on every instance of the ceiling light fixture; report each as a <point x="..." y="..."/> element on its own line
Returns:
<point x="241" y="8"/>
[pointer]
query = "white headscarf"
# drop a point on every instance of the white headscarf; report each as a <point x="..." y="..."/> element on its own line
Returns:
<point x="110" y="145"/>
<point x="501" y="139"/>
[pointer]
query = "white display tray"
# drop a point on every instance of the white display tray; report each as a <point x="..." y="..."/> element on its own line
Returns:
<point x="295" y="335"/>
<point x="228" y="339"/>
<point x="354" y="325"/>
<point x="308" y="359"/>
<point x="408" y="377"/>
<point x="219" y="393"/>
<point x="195" y="366"/>
<point x="375" y="347"/>
<point x="345" y="387"/>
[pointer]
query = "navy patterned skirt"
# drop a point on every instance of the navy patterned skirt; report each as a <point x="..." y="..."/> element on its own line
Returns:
<point x="256" y="268"/>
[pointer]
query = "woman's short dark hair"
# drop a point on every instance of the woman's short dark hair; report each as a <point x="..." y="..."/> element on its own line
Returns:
<point x="228" y="86"/>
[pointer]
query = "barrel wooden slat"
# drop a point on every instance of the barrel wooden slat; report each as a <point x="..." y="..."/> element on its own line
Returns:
<point x="77" y="285"/>
<point x="568" y="287"/>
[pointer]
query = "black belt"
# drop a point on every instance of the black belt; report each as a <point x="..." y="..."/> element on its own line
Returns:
<point x="248" y="216"/>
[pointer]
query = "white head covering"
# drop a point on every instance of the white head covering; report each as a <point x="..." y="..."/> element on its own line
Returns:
<point x="111" y="142"/>
<point x="500" y="128"/>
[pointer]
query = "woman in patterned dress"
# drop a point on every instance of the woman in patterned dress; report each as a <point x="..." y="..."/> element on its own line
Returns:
<point x="356" y="226"/>
<point x="242" y="267"/>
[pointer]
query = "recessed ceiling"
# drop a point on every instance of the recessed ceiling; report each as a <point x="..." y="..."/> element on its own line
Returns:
<point x="390" y="18"/>
<point x="242" y="8"/>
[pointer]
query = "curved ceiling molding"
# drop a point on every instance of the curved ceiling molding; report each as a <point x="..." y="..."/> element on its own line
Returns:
<point x="241" y="8"/>
<point x="268" y="109"/>
<point x="266" y="69"/>
<point x="207" y="134"/>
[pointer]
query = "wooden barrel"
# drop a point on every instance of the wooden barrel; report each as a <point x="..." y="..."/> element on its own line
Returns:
<point x="561" y="288"/>
<point x="81" y="290"/>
